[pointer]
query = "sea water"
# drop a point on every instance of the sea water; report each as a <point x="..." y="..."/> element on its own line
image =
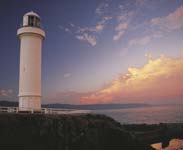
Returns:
<point x="148" y="115"/>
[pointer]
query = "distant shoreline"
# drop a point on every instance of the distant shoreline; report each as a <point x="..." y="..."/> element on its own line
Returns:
<point x="83" y="107"/>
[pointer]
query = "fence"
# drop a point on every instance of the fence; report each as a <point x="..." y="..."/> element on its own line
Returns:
<point x="42" y="111"/>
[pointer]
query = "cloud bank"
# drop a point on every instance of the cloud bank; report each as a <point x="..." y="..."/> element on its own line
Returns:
<point x="158" y="81"/>
<point x="159" y="78"/>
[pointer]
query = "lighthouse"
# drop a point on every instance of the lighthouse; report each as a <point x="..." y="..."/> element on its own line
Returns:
<point x="31" y="36"/>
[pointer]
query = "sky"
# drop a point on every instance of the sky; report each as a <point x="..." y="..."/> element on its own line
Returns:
<point x="99" y="51"/>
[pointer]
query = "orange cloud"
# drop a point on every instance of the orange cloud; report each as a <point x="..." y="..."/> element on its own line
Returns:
<point x="160" y="78"/>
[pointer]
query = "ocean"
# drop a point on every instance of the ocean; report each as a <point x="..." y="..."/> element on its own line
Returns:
<point x="148" y="115"/>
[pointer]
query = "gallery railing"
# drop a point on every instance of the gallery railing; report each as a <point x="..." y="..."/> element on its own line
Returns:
<point x="42" y="111"/>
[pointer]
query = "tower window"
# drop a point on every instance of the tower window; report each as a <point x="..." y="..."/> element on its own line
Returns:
<point x="33" y="21"/>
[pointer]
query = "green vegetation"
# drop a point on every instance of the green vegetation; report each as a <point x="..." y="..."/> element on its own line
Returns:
<point x="69" y="132"/>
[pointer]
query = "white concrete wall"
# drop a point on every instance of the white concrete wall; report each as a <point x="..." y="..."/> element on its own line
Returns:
<point x="30" y="68"/>
<point x="25" y="20"/>
<point x="29" y="103"/>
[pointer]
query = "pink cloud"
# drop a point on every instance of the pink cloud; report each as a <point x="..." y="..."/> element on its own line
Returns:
<point x="140" y="41"/>
<point x="118" y="35"/>
<point x="171" y="22"/>
<point x="121" y="26"/>
<point x="88" y="38"/>
<point x="6" y="92"/>
<point x="141" y="2"/>
<point x="69" y="97"/>
<point x="67" y="75"/>
<point x="123" y="19"/>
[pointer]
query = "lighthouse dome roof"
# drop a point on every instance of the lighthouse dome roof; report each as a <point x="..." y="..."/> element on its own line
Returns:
<point x="31" y="13"/>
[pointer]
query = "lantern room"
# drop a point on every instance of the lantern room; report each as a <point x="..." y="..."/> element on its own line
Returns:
<point x="31" y="19"/>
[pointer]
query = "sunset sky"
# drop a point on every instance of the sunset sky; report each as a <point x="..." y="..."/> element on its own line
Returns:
<point x="99" y="51"/>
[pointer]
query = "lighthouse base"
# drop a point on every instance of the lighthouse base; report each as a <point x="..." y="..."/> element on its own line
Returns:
<point x="29" y="103"/>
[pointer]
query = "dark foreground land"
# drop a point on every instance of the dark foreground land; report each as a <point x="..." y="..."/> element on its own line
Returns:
<point x="80" y="132"/>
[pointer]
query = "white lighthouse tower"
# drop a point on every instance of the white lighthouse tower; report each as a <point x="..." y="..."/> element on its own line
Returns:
<point x="31" y="36"/>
